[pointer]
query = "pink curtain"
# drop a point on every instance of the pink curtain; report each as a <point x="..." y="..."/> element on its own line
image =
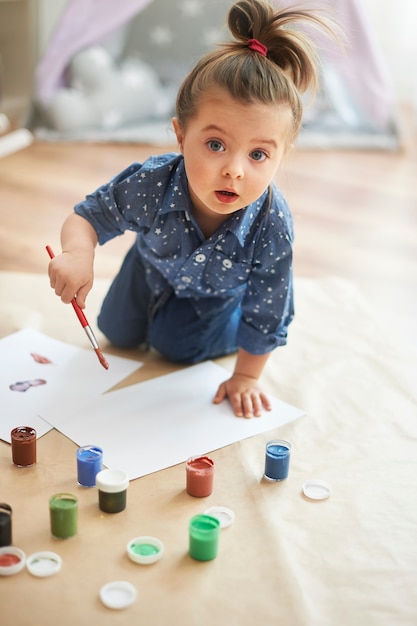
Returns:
<point x="82" y="23"/>
<point x="360" y="67"/>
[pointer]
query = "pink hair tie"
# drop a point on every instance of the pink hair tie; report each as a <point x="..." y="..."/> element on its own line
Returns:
<point x="256" y="45"/>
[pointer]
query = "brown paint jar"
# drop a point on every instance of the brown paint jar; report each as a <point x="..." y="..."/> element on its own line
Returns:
<point x="23" y="446"/>
<point x="199" y="476"/>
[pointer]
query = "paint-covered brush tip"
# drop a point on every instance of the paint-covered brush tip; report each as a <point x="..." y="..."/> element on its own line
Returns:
<point x="102" y="359"/>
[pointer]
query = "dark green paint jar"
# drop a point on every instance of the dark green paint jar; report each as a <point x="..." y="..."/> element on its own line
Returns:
<point x="5" y="525"/>
<point x="112" y="490"/>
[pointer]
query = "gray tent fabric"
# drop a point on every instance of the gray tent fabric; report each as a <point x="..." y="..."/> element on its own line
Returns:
<point x="153" y="43"/>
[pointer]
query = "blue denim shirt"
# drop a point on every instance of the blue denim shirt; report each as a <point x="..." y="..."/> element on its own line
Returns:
<point x="248" y="258"/>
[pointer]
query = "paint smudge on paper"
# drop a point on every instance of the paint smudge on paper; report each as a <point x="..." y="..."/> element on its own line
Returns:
<point x="24" y="385"/>
<point x="40" y="359"/>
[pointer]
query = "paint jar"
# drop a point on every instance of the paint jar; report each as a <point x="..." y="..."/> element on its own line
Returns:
<point x="204" y="533"/>
<point x="199" y="476"/>
<point x="5" y="525"/>
<point x="23" y="440"/>
<point x="63" y="509"/>
<point x="112" y="490"/>
<point x="89" y="464"/>
<point x="277" y="459"/>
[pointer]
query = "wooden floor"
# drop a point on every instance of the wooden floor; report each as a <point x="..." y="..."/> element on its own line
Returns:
<point x="355" y="214"/>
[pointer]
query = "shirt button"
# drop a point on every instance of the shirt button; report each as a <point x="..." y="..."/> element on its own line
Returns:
<point x="227" y="264"/>
<point x="200" y="258"/>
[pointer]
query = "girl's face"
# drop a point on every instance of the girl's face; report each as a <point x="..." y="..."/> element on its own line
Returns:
<point x="231" y="153"/>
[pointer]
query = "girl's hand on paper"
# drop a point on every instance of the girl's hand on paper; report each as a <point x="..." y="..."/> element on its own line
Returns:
<point x="245" y="396"/>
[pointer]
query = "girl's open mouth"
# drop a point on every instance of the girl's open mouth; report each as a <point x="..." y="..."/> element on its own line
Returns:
<point x="226" y="196"/>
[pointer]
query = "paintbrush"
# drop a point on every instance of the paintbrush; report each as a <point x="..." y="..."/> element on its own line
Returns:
<point x="84" y="323"/>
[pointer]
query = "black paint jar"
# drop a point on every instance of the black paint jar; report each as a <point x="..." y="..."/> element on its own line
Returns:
<point x="5" y="525"/>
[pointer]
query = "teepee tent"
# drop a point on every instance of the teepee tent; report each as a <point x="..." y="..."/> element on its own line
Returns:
<point x="355" y="106"/>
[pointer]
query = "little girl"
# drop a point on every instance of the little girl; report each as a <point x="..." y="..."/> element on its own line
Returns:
<point x="210" y="272"/>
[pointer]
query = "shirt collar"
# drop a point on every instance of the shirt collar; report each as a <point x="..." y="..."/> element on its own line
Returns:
<point x="179" y="181"/>
<point x="241" y="222"/>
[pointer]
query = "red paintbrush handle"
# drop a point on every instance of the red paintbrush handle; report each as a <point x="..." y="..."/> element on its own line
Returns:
<point x="79" y="313"/>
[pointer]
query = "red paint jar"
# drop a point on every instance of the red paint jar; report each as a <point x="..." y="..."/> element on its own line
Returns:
<point x="199" y="476"/>
<point x="23" y="440"/>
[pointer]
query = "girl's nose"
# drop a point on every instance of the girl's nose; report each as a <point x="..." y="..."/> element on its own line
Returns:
<point x="233" y="169"/>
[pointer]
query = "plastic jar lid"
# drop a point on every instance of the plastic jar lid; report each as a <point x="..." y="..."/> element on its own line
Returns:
<point x="145" y="550"/>
<point x="118" y="594"/>
<point x="112" y="481"/>
<point x="12" y="560"/>
<point x="44" y="564"/>
<point x="317" y="489"/>
<point x="225" y="516"/>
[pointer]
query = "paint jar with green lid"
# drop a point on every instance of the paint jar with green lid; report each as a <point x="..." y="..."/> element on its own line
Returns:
<point x="112" y="490"/>
<point x="63" y="509"/>
<point x="204" y="533"/>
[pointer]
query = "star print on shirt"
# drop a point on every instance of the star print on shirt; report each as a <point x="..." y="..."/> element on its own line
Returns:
<point x="248" y="258"/>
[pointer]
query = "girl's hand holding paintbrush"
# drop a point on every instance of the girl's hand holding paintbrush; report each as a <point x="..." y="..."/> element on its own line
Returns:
<point x="71" y="276"/>
<point x="71" y="273"/>
<point x="62" y="270"/>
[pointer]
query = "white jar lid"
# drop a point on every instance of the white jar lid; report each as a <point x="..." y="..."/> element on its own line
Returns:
<point x="225" y="516"/>
<point x="118" y="594"/>
<point x="44" y="564"/>
<point x="317" y="489"/>
<point x="12" y="560"/>
<point x="112" y="481"/>
<point x="145" y="549"/>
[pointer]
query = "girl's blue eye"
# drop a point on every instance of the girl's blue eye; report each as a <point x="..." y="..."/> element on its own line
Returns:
<point x="215" y="145"/>
<point x="258" y="155"/>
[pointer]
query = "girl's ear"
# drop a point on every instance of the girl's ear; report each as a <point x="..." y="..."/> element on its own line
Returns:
<point x="178" y="132"/>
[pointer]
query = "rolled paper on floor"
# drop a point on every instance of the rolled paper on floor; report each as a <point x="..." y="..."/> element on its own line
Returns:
<point x="15" y="141"/>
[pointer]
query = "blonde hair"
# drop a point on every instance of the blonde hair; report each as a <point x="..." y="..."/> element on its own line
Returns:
<point x="289" y="69"/>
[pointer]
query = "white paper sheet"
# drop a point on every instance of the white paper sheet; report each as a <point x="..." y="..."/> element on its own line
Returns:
<point x="161" y="422"/>
<point x="70" y="373"/>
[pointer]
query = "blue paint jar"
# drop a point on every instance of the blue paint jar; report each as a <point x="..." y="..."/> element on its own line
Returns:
<point x="277" y="459"/>
<point x="89" y="464"/>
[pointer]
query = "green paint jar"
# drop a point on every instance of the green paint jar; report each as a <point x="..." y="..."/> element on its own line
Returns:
<point x="63" y="509"/>
<point x="204" y="533"/>
<point x="112" y="490"/>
